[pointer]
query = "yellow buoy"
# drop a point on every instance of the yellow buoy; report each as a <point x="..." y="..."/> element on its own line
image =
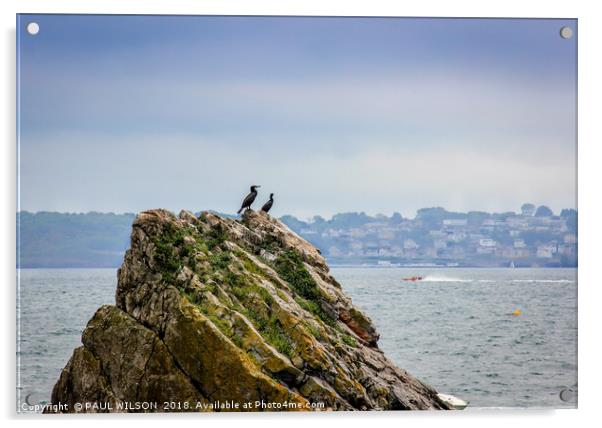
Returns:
<point x="516" y="312"/>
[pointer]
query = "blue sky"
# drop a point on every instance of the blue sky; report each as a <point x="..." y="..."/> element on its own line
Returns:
<point x="125" y="113"/>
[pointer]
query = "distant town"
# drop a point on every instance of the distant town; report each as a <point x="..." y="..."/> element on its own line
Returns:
<point x="534" y="237"/>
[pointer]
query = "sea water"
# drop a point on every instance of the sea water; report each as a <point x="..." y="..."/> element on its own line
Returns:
<point x="454" y="329"/>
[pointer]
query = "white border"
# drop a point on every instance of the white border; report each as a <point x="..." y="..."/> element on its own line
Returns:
<point x="589" y="200"/>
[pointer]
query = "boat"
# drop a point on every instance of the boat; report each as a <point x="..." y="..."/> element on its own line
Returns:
<point x="413" y="278"/>
<point x="454" y="402"/>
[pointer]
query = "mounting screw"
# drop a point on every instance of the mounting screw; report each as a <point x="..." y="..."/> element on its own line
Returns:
<point x="33" y="28"/>
<point x="566" y="32"/>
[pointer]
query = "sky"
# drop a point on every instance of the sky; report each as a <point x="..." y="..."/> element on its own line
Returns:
<point x="381" y="115"/>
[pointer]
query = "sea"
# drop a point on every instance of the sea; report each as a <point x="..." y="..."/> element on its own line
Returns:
<point x="497" y="338"/>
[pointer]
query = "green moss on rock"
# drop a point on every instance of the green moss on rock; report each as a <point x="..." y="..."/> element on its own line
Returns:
<point x="290" y="267"/>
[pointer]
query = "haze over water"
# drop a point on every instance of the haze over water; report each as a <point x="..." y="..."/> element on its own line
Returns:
<point x="454" y="329"/>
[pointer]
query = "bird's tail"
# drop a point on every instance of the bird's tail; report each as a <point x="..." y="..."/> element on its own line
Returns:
<point x="239" y="210"/>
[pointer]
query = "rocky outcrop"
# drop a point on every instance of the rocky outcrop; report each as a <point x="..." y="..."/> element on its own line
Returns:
<point x="212" y="310"/>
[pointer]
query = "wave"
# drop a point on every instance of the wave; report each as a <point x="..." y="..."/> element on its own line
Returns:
<point x="440" y="278"/>
<point x="559" y="281"/>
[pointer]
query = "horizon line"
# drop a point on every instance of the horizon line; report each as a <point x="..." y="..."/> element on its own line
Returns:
<point x="233" y="214"/>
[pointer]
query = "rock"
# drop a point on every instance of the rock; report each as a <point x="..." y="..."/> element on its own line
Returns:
<point x="215" y="310"/>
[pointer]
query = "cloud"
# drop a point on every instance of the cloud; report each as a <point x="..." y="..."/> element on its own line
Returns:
<point x="81" y="172"/>
<point x="377" y="123"/>
<point x="429" y="107"/>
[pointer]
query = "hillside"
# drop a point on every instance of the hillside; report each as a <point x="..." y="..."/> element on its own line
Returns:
<point x="435" y="236"/>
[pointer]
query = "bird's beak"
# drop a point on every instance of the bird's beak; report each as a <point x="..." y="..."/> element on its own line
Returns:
<point x="257" y="186"/>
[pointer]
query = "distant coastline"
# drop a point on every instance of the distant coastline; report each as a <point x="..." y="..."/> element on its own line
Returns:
<point x="535" y="237"/>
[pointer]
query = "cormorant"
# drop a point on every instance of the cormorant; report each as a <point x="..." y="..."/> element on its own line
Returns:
<point x="266" y="207"/>
<point x="249" y="199"/>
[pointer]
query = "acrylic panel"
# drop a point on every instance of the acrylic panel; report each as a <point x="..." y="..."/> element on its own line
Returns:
<point x="288" y="213"/>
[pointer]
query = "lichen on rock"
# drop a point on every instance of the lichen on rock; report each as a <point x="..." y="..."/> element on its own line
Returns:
<point x="215" y="309"/>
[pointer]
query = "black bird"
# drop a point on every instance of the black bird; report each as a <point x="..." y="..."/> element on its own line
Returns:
<point x="266" y="207"/>
<point x="249" y="199"/>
